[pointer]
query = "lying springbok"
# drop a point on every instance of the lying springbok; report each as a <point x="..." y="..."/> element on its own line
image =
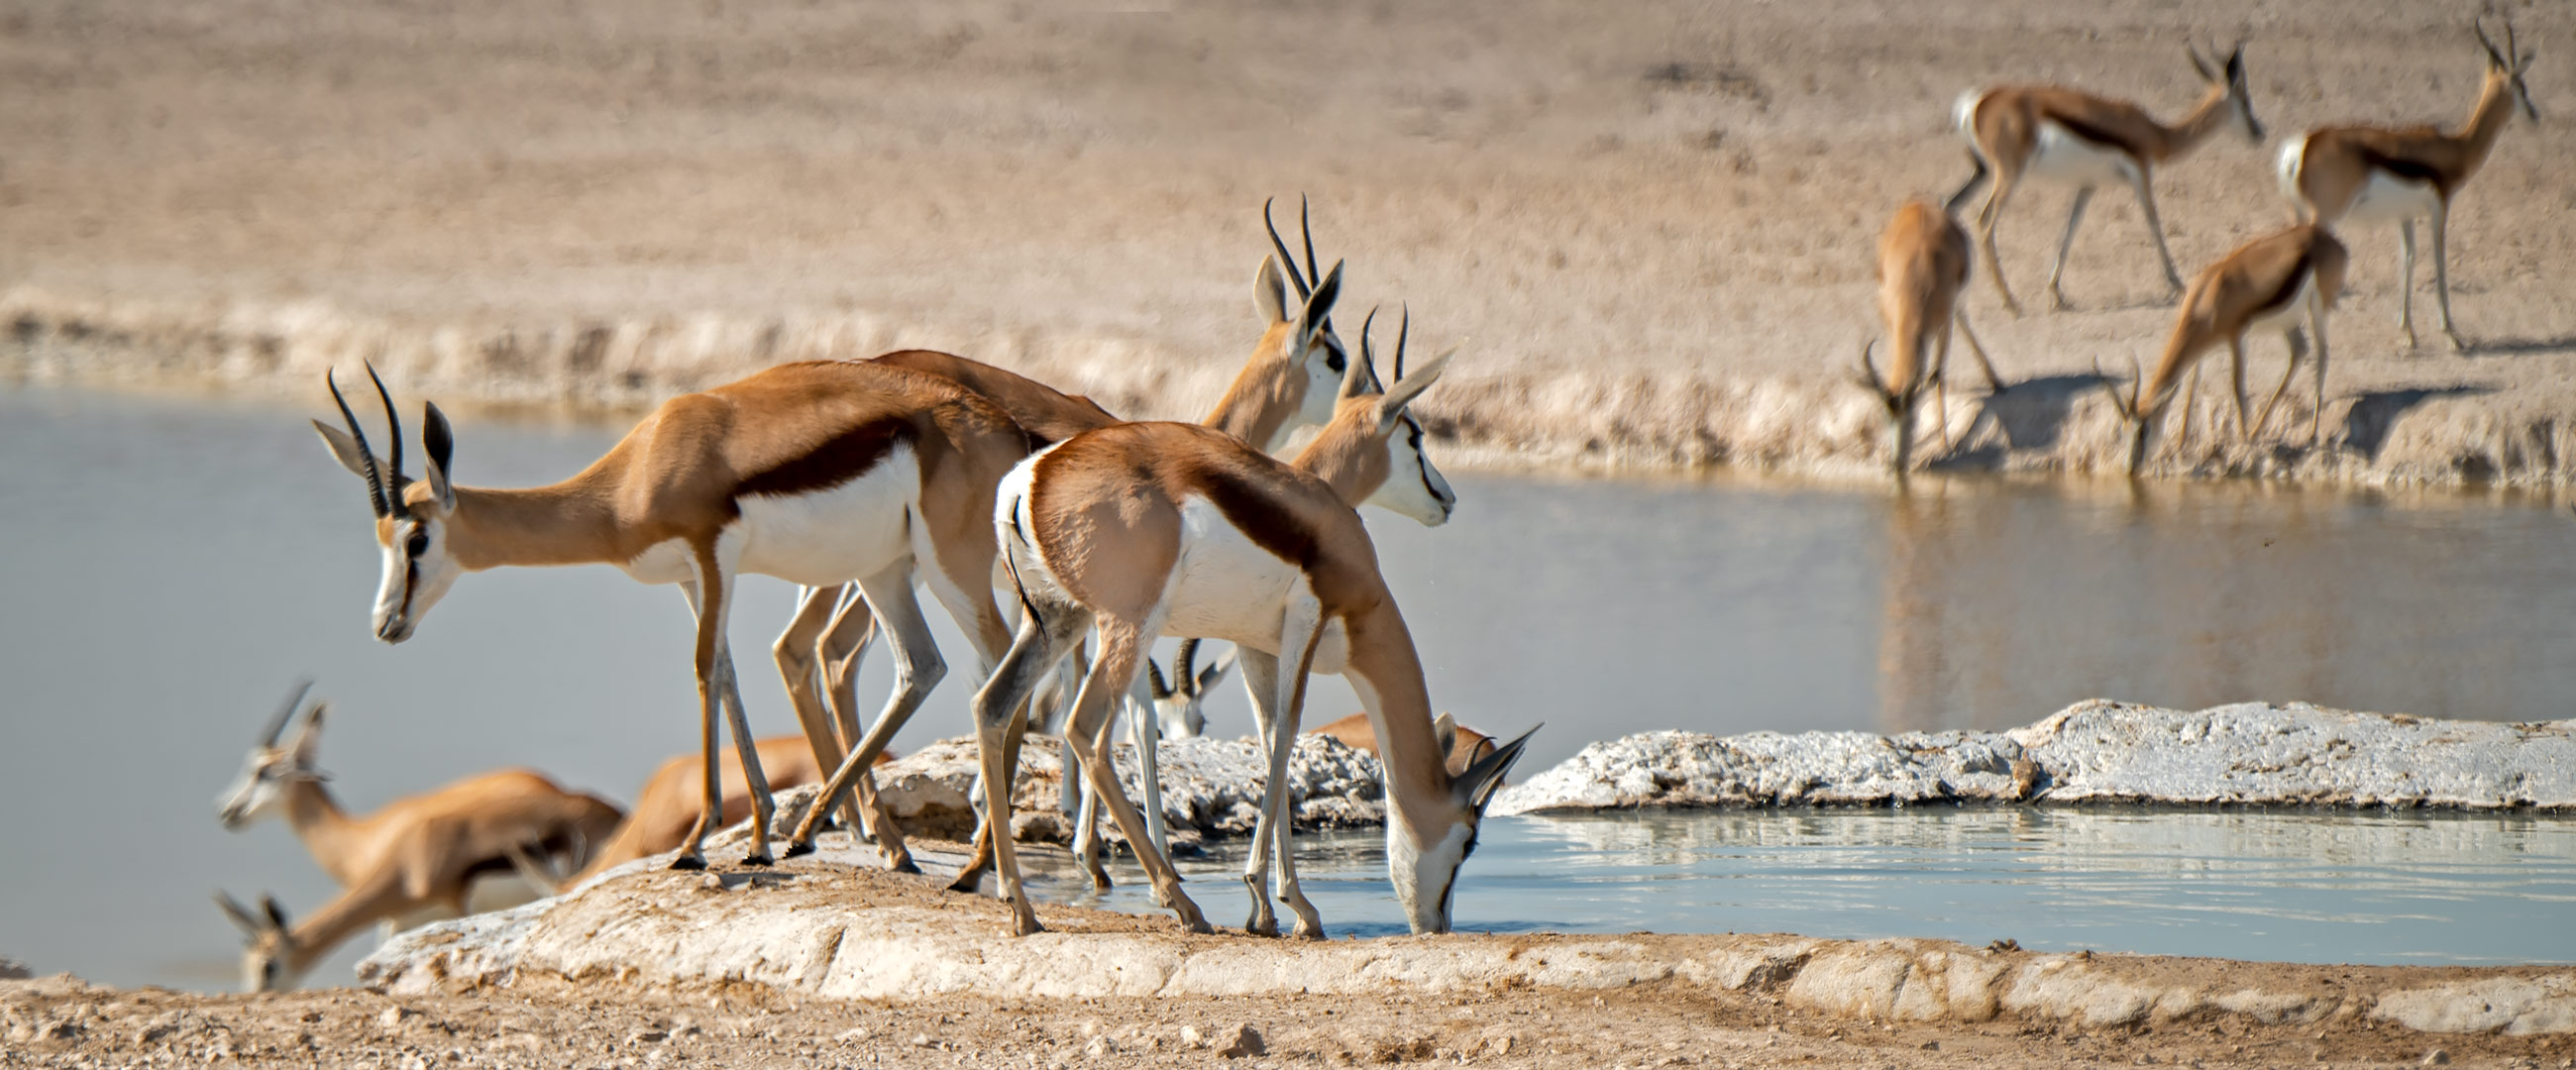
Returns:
<point x="816" y="472"/>
<point x="2380" y="174"/>
<point x="413" y="860"/>
<point x="1151" y="528"/>
<point x="2279" y="281"/>
<point x="2074" y="137"/>
<point x="667" y="804"/>
<point x="1923" y="260"/>
<point x="1464" y="746"/>
<point x="1286" y="384"/>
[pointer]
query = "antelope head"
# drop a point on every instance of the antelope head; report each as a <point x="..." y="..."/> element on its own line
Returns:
<point x="411" y="519"/>
<point x="1300" y="333"/>
<point x="1373" y="440"/>
<point x="1426" y="875"/>
<point x="1176" y="703"/>
<point x="268" y="951"/>
<point x="2506" y="66"/>
<point x="271" y="770"/>
<point x="2229" y="78"/>
<point x="1899" y="402"/>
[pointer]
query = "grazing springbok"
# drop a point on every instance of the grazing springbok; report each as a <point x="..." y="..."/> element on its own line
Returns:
<point x="1923" y="262"/>
<point x="816" y="472"/>
<point x="668" y="803"/>
<point x="413" y="860"/>
<point x="2073" y="137"/>
<point x="1464" y="746"/>
<point x="2373" y="174"/>
<point x="1160" y="528"/>
<point x="2280" y="281"/>
<point x="1286" y="384"/>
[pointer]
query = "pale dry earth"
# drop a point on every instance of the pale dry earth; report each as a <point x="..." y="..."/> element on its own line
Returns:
<point x="1651" y="225"/>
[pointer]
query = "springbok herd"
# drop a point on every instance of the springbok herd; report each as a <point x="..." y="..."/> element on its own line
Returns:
<point x="1014" y="502"/>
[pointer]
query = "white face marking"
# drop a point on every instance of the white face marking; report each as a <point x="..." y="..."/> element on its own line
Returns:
<point x="1323" y="386"/>
<point x="2063" y="157"/>
<point x="835" y="535"/>
<point x="413" y="582"/>
<point x="1178" y="716"/>
<point x="1413" y="488"/>
<point x="1425" y="876"/>
<point x="255" y="795"/>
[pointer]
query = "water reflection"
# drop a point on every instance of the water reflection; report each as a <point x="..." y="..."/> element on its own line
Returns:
<point x="2302" y="887"/>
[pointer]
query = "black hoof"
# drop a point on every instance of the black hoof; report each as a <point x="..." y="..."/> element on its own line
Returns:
<point x="905" y="866"/>
<point x="798" y="850"/>
<point x="967" y="885"/>
<point x="688" y="863"/>
<point x="763" y="860"/>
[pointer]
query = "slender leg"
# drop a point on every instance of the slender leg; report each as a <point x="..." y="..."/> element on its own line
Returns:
<point x="1987" y="218"/>
<point x="1053" y="695"/>
<point x="2298" y="352"/>
<point x="1113" y="672"/>
<point x="2156" y="229"/>
<point x="2074" y="215"/>
<point x="1149" y="771"/>
<point x="1941" y="389"/>
<point x="2441" y="225"/>
<point x="1994" y="382"/>
<point x="2180" y="441"/>
<point x="763" y="805"/>
<point x="693" y="853"/>
<point x="1039" y="644"/>
<point x="1303" y="624"/>
<point x="2406" y="282"/>
<point x="795" y="652"/>
<point x="843" y="647"/>
<point x="918" y="668"/>
<point x="710" y="600"/>
<point x="1261" y="685"/>
<point x="2317" y="325"/>
<point x="2236" y="376"/>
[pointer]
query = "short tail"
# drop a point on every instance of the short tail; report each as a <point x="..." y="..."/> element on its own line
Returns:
<point x="1968" y="189"/>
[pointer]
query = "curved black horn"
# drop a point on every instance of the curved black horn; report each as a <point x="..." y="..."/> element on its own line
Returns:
<point x="374" y="473"/>
<point x="394" y="479"/>
<point x="1401" y="333"/>
<point x="1306" y="225"/>
<point x="277" y="722"/>
<point x="1183" y="671"/>
<point x="1286" y="260"/>
<point x="1154" y="678"/>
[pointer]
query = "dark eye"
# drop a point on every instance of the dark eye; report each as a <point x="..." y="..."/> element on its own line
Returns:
<point x="419" y="543"/>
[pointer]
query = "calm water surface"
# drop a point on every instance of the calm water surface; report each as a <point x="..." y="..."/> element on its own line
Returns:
<point x="175" y="564"/>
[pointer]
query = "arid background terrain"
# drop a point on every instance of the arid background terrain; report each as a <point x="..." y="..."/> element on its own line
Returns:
<point x="1652" y="227"/>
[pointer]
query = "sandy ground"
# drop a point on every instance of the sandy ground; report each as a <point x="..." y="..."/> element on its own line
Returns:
<point x="62" y="1022"/>
<point x="1652" y="227"/>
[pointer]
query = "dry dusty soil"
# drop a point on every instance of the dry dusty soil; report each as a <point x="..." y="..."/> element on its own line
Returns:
<point x="1652" y="222"/>
<point x="550" y="1023"/>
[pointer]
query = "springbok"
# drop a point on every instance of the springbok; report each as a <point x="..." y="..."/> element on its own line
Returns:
<point x="2074" y="137"/>
<point x="1287" y="383"/>
<point x="1464" y="746"/>
<point x="413" y="860"/>
<point x="1152" y="528"/>
<point x="2277" y="281"/>
<point x="1923" y="262"/>
<point x="668" y="804"/>
<point x="2377" y="174"/>
<point x="816" y="472"/>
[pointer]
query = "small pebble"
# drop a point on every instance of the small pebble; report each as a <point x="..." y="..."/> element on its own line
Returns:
<point x="2437" y="1057"/>
<point x="1246" y="1041"/>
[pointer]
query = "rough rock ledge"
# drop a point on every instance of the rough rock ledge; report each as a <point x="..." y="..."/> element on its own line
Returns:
<point x="2098" y="751"/>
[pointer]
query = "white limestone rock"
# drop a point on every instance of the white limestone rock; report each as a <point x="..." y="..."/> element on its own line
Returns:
<point x="1210" y="786"/>
<point x="2092" y="752"/>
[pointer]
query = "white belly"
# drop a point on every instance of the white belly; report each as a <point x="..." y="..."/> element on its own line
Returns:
<point x="2061" y="156"/>
<point x="1225" y="586"/>
<point x="845" y="533"/>
<point x="662" y="562"/>
<point x="2386" y="198"/>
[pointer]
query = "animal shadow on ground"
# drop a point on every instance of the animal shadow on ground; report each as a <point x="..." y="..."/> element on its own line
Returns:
<point x="2365" y="428"/>
<point x="2031" y="413"/>
<point x="2518" y="347"/>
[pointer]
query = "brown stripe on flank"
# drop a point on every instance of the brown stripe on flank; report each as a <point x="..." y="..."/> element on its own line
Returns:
<point x="836" y="461"/>
<point x="2289" y="286"/>
<point x="1260" y="517"/>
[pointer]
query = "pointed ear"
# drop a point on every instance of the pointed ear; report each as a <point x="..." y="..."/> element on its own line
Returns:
<point x="343" y="447"/>
<point x="1319" y="306"/>
<point x="241" y="915"/>
<point x="1444" y="728"/>
<point x="1477" y="785"/>
<point x="1269" y="292"/>
<point x="308" y="739"/>
<point x="2236" y="65"/>
<point x="1215" y="671"/>
<point x="276" y="913"/>
<point x="1401" y="395"/>
<point x="440" y="443"/>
